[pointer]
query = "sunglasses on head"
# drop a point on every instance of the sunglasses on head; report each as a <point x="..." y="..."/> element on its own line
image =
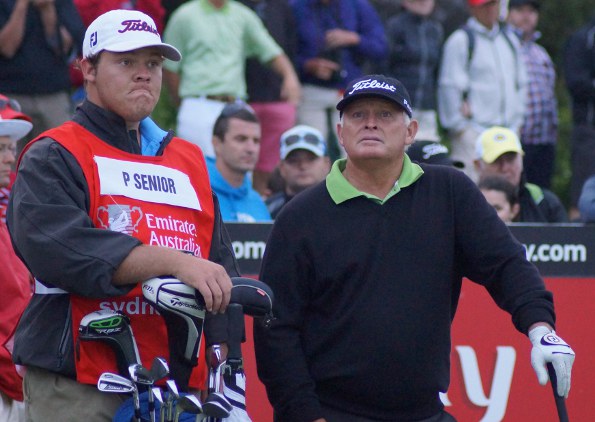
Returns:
<point x="232" y="109"/>
<point x="309" y="138"/>
<point x="14" y="104"/>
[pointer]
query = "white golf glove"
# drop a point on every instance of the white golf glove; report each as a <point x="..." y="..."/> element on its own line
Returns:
<point x="549" y="348"/>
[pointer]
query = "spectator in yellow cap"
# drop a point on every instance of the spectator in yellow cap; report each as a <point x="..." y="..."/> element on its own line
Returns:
<point x="498" y="152"/>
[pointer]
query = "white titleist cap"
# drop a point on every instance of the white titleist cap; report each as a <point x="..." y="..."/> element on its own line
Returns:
<point x="125" y="30"/>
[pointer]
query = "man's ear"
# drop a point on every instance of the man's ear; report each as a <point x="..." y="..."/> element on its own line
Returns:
<point x="411" y="131"/>
<point x="88" y="69"/>
<point x="339" y="136"/>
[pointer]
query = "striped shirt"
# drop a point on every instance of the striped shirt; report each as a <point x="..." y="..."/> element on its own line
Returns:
<point x="541" y="115"/>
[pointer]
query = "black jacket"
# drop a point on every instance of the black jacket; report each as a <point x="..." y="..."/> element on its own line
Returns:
<point x="579" y="73"/>
<point x="53" y="234"/>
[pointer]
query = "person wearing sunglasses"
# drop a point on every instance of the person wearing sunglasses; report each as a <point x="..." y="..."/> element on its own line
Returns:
<point x="367" y="269"/>
<point x="15" y="281"/>
<point x="236" y="142"/>
<point x="304" y="163"/>
<point x="100" y="204"/>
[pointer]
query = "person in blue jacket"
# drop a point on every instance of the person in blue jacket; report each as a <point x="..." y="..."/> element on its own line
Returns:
<point x="236" y="141"/>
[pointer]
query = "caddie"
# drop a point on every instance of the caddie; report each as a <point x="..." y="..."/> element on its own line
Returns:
<point x="90" y="225"/>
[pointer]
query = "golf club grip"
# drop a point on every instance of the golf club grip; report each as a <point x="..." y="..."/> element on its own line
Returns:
<point x="235" y="331"/>
<point x="560" y="401"/>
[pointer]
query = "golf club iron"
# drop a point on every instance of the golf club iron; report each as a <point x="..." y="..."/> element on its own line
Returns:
<point x="188" y="404"/>
<point x="172" y="395"/>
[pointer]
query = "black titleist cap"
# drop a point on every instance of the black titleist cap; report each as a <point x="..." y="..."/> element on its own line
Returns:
<point x="379" y="86"/>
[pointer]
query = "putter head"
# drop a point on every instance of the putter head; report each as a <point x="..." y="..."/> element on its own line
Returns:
<point x="217" y="406"/>
<point x="113" y="383"/>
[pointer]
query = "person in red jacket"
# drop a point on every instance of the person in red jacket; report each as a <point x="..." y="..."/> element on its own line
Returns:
<point x="14" y="277"/>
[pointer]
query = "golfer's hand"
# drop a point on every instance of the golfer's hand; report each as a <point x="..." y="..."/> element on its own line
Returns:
<point x="548" y="347"/>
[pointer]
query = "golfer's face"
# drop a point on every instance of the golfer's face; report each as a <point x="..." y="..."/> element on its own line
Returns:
<point x="375" y="128"/>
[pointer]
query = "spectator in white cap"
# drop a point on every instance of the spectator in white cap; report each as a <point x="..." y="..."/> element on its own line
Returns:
<point x="14" y="276"/>
<point x="100" y="204"/>
<point x="498" y="152"/>
<point x="304" y="163"/>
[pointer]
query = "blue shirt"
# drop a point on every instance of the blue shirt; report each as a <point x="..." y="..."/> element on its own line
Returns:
<point x="313" y="19"/>
<point x="242" y="204"/>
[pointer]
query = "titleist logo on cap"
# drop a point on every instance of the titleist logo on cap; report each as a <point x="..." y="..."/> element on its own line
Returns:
<point x="137" y="25"/>
<point x="372" y="83"/>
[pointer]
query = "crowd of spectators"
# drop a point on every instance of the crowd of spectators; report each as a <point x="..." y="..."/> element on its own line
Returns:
<point x="291" y="59"/>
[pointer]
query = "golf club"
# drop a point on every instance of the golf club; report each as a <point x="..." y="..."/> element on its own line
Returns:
<point x="172" y="395"/>
<point x="159" y="369"/>
<point x="176" y="302"/>
<point x="113" y="383"/>
<point x="141" y="375"/>
<point x="216" y="404"/>
<point x="113" y="328"/>
<point x="255" y="296"/>
<point x="188" y="404"/>
<point x="159" y="399"/>
<point x="560" y="401"/>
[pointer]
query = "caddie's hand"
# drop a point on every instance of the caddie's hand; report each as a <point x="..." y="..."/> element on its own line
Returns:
<point x="209" y="278"/>
<point x="548" y="347"/>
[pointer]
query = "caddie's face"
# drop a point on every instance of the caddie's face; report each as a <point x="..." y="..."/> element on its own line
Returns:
<point x="374" y="128"/>
<point x="127" y="84"/>
<point x="8" y="149"/>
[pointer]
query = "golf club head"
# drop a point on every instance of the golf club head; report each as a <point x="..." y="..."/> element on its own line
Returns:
<point x="112" y="328"/>
<point x="113" y="383"/>
<point x="255" y="296"/>
<point x="171" y="297"/>
<point x="159" y="369"/>
<point x="172" y="389"/>
<point x="217" y="406"/>
<point x="158" y="395"/>
<point x="139" y="374"/>
<point x="189" y="404"/>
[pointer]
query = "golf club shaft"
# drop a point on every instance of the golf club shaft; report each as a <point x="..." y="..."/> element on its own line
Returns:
<point x="560" y="401"/>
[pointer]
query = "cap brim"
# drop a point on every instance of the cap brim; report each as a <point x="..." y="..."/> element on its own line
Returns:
<point x="304" y="146"/>
<point x="341" y="105"/>
<point x="168" y="51"/>
<point x="15" y="129"/>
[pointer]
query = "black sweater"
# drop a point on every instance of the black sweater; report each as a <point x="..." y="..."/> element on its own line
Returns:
<point x="365" y="295"/>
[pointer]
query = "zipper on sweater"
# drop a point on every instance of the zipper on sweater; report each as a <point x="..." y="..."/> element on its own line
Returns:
<point x="66" y="334"/>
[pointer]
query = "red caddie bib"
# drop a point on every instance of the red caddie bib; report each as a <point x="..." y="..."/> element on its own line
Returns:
<point x="164" y="201"/>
